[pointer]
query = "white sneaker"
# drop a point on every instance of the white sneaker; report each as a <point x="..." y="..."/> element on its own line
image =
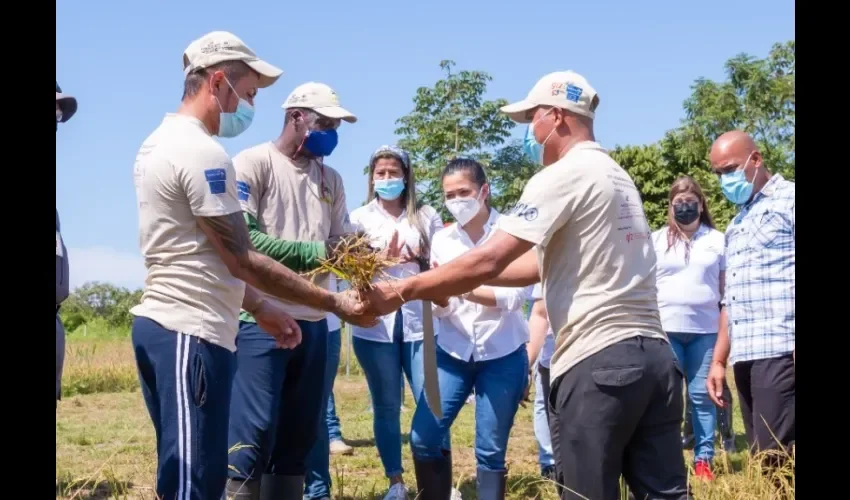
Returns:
<point x="338" y="447"/>
<point x="396" y="492"/>
<point x="456" y="495"/>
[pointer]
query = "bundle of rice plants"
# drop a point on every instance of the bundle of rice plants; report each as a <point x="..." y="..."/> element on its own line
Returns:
<point x="354" y="260"/>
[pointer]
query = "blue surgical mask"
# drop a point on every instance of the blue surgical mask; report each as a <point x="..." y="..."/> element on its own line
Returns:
<point x="321" y="142"/>
<point x="389" y="189"/>
<point x="532" y="149"/>
<point x="735" y="186"/>
<point x="233" y="124"/>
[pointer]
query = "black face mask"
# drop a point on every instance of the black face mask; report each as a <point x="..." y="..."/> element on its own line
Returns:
<point x="685" y="213"/>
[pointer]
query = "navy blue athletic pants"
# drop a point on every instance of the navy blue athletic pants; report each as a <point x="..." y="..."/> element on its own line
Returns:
<point x="278" y="398"/>
<point x="186" y="384"/>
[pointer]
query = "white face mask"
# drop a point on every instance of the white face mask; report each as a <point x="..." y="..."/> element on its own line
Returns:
<point x="464" y="209"/>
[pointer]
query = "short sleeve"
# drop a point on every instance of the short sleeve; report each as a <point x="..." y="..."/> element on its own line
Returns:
<point x="209" y="181"/>
<point x="249" y="181"/>
<point x="544" y="207"/>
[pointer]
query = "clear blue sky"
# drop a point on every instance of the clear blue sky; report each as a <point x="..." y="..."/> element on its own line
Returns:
<point x="123" y="61"/>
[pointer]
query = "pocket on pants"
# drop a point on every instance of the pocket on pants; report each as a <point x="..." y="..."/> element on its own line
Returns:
<point x="199" y="380"/>
<point x="619" y="365"/>
<point x="617" y="377"/>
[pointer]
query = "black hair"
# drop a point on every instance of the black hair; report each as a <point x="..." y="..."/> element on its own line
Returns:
<point x="468" y="165"/>
<point x="471" y="167"/>
<point x="233" y="70"/>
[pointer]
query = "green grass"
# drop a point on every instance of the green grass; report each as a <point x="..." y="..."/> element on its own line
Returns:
<point x="105" y="445"/>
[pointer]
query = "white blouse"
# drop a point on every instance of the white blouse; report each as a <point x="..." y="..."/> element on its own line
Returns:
<point x="689" y="292"/>
<point x="473" y="331"/>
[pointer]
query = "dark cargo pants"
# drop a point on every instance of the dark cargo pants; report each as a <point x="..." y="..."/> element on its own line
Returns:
<point x="619" y="412"/>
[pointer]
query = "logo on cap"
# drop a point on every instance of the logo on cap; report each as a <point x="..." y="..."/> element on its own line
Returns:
<point x="570" y="91"/>
<point x="573" y="93"/>
<point x="295" y="99"/>
<point x="212" y="47"/>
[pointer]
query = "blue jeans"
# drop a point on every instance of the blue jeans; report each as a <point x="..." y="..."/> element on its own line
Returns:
<point x="541" y="423"/>
<point x="694" y="352"/>
<point x="383" y="364"/>
<point x="317" y="478"/>
<point x="276" y="408"/>
<point x="334" y="349"/>
<point x="186" y="386"/>
<point x="499" y="385"/>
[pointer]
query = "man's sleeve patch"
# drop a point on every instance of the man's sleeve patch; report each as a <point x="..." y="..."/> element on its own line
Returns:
<point x="216" y="178"/>
<point x="243" y="190"/>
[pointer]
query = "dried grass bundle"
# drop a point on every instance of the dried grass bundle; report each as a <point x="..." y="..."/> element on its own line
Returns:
<point x="354" y="260"/>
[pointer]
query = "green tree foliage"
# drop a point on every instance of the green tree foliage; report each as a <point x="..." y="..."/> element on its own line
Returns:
<point x="758" y="96"/>
<point x="508" y="172"/>
<point x="449" y="120"/>
<point x="99" y="300"/>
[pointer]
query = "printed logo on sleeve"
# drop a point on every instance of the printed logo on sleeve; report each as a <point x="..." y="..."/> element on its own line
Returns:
<point x="524" y="211"/>
<point x="243" y="190"/>
<point x="217" y="179"/>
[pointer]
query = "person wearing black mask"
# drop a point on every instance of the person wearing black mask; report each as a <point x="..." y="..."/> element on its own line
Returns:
<point x="690" y="275"/>
<point x="66" y="106"/>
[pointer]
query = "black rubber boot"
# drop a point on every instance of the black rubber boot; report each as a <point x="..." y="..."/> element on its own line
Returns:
<point x="434" y="478"/>
<point x="242" y="490"/>
<point x="491" y="484"/>
<point x="277" y="487"/>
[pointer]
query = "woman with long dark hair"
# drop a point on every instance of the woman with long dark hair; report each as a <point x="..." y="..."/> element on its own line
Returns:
<point x="690" y="276"/>
<point x="481" y="347"/>
<point x="393" y="219"/>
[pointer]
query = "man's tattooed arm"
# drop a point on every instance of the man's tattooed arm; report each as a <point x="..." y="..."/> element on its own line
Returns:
<point x="229" y="235"/>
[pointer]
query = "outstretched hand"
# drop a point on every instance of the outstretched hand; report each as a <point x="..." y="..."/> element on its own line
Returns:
<point x="382" y="299"/>
<point x="399" y="251"/>
<point x="351" y="309"/>
<point x="276" y="322"/>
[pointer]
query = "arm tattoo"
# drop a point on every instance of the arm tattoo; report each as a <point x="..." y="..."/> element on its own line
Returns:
<point x="229" y="231"/>
<point x="229" y="235"/>
<point x="276" y="279"/>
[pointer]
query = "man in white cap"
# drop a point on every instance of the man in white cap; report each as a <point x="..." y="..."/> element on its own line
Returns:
<point x="616" y="391"/>
<point x="288" y="194"/>
<point x="202" y="267"/>
<point x="66" y="106"/>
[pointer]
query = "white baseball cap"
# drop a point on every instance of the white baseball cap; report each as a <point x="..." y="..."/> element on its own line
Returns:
<point x="561" y="89"/>
<point x="320" y="98"/>
<point x="220" y="46"/>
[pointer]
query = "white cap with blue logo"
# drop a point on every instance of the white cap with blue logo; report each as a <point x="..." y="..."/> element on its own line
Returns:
<point x="562" y="89"/>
